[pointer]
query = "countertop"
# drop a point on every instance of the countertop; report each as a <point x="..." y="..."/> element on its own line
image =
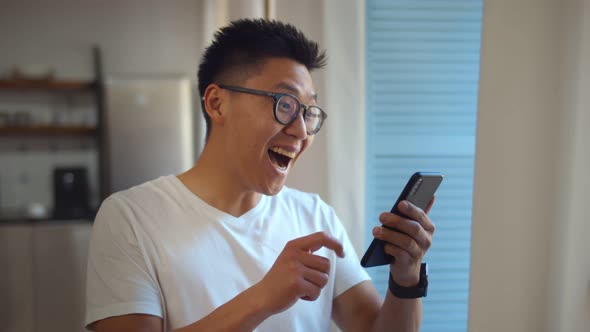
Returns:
<point x="33" y="221"/>
<point x="11" y="218"/>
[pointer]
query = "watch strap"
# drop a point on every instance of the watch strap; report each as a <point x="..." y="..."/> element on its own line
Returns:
<point x="415" y="292"/>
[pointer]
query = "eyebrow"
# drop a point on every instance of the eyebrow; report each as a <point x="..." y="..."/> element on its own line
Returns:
<point x="293" y="90"/>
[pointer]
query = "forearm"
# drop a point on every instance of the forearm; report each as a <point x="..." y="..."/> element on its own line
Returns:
<point x="403" y="315"/>
<point x="243" y="313"/>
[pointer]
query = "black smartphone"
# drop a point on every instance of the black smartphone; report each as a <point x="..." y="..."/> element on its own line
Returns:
<point x="418" y="191"/>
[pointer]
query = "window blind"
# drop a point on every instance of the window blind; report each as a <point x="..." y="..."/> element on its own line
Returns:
<point x="422" y="67"/>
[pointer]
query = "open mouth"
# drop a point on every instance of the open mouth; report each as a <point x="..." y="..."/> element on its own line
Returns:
<point x="280" y="157"/>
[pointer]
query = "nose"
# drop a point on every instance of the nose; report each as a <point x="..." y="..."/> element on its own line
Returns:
<point x="297" y="128"/>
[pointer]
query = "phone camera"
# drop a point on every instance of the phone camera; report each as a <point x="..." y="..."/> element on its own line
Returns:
<point x="416" y="187"/>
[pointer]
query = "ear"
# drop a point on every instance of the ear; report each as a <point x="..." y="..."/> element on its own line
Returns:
<point x="215" y="100"/>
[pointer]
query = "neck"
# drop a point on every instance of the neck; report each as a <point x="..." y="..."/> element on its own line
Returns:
<point x="216" y="184"/>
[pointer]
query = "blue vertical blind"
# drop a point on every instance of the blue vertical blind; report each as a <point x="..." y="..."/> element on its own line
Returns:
<point x="422" y="66"/>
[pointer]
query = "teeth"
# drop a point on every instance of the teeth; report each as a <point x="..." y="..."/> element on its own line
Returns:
<point x="284" y="152"/>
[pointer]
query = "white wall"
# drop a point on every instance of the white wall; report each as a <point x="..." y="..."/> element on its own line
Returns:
<point x="136" y="36"/>
<point x="529" y="270"/>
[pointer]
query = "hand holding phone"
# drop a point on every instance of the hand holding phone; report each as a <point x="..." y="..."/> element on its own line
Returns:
<point x="419" y="191"/>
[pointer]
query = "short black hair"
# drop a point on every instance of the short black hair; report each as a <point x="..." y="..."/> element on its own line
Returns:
<point x="245" y="44"/>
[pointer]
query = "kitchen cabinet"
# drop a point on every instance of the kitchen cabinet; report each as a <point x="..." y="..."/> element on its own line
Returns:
<point x="16" y="279"/>
<point x="43" y="286"/>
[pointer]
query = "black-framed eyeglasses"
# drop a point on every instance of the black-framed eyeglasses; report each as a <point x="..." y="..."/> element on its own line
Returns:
<point x="287" y="108"/>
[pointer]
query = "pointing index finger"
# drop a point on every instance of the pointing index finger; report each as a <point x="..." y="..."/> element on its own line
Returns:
<point x="318" y="240"/>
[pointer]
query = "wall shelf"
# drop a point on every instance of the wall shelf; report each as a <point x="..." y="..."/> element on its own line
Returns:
<point x="39" y="90"/>
<point x="48" y="131"/>
<point x="47" y="85"/>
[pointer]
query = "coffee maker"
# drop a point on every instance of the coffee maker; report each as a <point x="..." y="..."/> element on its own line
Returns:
<point x="70" y="190"/>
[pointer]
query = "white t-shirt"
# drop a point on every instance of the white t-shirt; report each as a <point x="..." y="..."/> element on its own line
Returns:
<point x="158" y="249"/>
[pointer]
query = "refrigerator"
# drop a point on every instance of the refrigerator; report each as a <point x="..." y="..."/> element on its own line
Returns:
<point x="149" y="127"/>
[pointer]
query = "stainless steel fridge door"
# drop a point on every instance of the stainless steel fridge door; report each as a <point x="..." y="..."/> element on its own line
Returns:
<point x="149" y="129"/>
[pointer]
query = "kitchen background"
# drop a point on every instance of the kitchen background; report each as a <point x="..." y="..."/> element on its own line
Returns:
<point x="38" y="38"/>
<point x="83" y="86"/>
<point x="137" y="40"/>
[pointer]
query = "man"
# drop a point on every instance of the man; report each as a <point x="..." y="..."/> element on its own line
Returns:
<point x="225" y="246"/>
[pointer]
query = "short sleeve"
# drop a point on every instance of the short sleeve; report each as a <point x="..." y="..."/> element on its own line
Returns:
<point x="118" y="280"/>
<point x="348" y="272"/>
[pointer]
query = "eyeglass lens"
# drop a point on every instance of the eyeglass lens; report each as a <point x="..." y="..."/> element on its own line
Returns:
<point x="288" y="108"/>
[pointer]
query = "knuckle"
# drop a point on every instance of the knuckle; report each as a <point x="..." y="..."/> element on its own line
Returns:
<point x="294" y="268"/>
<point x="415" y="229"/>
<point x="417" y="250"/>
<point x="297" y="283"/>
<point x="289" y="244"/>
<point x="325" y="265"/>
<point x="389" y="249"/>
<point x="422" y="215"/>
<point x="289" y="256"/>
<point x="428" y="242"/>
<point x="407" y="243"/>
<point x="323" y="280"/>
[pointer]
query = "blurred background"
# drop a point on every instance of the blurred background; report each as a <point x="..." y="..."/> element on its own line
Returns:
<point x="98" y="96"/>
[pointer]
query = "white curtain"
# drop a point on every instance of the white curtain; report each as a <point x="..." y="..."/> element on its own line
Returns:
<point x="570" y="277"/>
<point x="214" y="15"/>
<point x="345" y="98"/>
<point x="530" y="266"/>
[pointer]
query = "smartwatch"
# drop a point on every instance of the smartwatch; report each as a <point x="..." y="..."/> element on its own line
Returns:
<point x="411" y="292"/>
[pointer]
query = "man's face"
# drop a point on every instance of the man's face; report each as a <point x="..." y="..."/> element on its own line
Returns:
<point x="260" y="150"/>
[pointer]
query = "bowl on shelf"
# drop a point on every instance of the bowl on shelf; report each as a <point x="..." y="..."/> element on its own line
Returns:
<point x="33" y="72"/>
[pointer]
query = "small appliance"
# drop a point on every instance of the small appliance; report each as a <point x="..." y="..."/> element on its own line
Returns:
<point x="70" y="189"/>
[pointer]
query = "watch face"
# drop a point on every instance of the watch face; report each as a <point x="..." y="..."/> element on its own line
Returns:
<point x="423" y="270"/>
<point x="424" y="275"/>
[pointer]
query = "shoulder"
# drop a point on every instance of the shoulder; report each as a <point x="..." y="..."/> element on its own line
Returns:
<point x="152" y="197"/>
<point x="142" y="202"/>
<point x="158" y="189"/>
